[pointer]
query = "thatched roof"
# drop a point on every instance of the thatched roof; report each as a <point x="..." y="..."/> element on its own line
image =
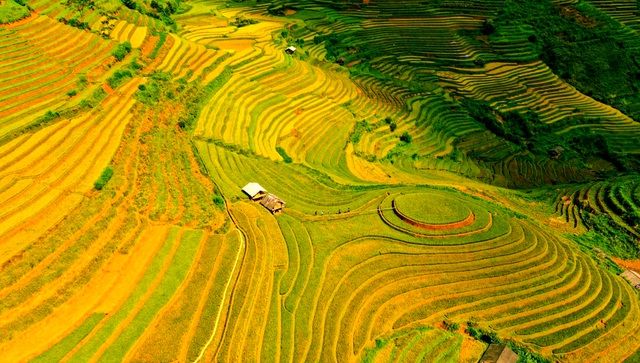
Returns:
<point x="272" y="203"/>
<point x="632" y="277"/>
<point x="499" y="353"/>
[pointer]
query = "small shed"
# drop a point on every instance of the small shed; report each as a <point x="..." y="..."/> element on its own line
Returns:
<point x="632" y="277"/>
<point x="272" y="203"/>
<point x="254" y="190"/>
<point x="499" y="353"/>
<point x="290" y="49"/>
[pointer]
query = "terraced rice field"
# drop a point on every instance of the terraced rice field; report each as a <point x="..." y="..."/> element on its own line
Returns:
<point x="125" y="234"/>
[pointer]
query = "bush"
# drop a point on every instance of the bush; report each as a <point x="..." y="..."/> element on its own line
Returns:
<point x="287" y="159"/>
<point x="72" y="93"/>
<point x="242" y="21"/>
<point x="122" y="50"/>
<point x="451" y="325"/>
<point x="104" y="178"/>
<point x="131" y="4"/>
<point x="406" y="137"/>
<point x="218" y="201"/>
<point x="119" y="77"/>
<point x="74" y="23"/>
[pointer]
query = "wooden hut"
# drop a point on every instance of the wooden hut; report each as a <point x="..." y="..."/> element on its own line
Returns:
<point x="632" y="277"/>
<point x="255" y="191"/>
<point x="272" y="203"/>
<point x="290" y="50"/>
<point x="499" y="353"/>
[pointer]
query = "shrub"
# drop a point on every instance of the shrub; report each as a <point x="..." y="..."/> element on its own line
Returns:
<point x="393" y="126"/>
<point x="451" y="325"/>
<point x="131" y="4"/>
<point x="72" y="93"/>
<point x="287" y="159"/>
<point x="218" y="201"/>
<point x="50" y="115"/>
<point x="406" y="137"/>
<point x="104" y="178"/>
<point x="74" y="23"/>
<point x="122" y="50"/>
<point x="242" y="21"/>
<point x="119" y="77"/>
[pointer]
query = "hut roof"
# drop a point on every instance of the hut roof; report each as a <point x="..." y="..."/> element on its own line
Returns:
<point x="499" y="353"/>
<point x="253" y="189"/>
<point x="633" y="277"/>
<point x="272" y="203"/>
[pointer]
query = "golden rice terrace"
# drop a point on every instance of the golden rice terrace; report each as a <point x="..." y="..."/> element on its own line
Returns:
<point x="319" y="181"/>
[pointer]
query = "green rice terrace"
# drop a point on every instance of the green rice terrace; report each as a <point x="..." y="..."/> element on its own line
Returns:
<point x="319" y="181"/>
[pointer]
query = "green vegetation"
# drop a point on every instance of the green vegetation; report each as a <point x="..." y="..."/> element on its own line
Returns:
<point x="582" y="45"/>
<point x="74" y="22"/>
<point x="406" y="137"/>
<point x="360" y="128"/>
<point x="104" y="178"/>
<point x="241" y="21"/>
<point x="11" y="10"/>
<point x="122" y="50"/>
<point x="607" y="236"/>
<point x="156" y="48"/>
<point x="526" y="355"/>
<point x="287" y="159"/>
<point x="218" y="201"/>
<point x="58" y="351"/>
<point x="451" y="326"/>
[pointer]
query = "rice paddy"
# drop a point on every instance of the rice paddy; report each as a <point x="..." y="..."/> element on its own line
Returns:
<point x="412" y="231"/>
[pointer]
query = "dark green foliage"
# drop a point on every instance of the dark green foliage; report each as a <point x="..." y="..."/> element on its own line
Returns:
<point x="151" y="92"/>
<point x="119" y="77"/>
<point x="516" y="127"/>
<point x="218" y="201"/>
<point x="287" y="159"/>
<point x="95" y="98"/>
<point x="406" y="137"/>
<point x="122" y="50"/>
<point x="583" y="46"/>
<point x="634" y="358"/>
<point x="74" y="22"/>
<point x="72" y="93"/>
<point x="131" y="4"/>
<point x="392" y="124"/>
<point x="525" y="355"/>
<point x="451" y="325"/>
<point x="104" y="178"/>
<point x="242" y="22"/>
<point x="486" y="336"/>
<point x="362" y="126"/>
<point x="487" y="27"/>
<point x="159" y="43"/>
<point x="160" y="87"/>
<point x="81" y="4"/>
<point x="200" y="96"/>
<point x="50" y="115"/>
<point x="527" y="133"/>
<point x="605" y="235"/>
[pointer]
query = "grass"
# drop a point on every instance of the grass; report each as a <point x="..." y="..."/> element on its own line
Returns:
<point x="88" y="349"/>
<point x="183" y="259"/>
<point x="376" y="109"/>
<point x="11" y="11"/>
<point x="58" y="351"/>
<point x="121" y="50"/>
